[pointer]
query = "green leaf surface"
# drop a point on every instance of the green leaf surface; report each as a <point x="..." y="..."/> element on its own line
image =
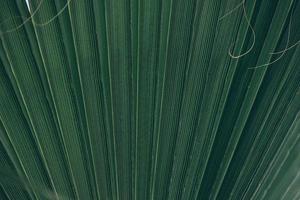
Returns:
<point x="150" y="99"/>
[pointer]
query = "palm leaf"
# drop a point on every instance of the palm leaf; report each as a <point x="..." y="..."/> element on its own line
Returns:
<point x="149" y="99"/>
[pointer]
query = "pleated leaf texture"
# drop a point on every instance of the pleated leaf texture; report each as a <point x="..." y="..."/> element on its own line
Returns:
<point x="150" y="99"/>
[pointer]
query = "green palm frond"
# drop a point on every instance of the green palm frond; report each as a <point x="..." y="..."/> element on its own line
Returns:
<point x="150" y="99"/>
